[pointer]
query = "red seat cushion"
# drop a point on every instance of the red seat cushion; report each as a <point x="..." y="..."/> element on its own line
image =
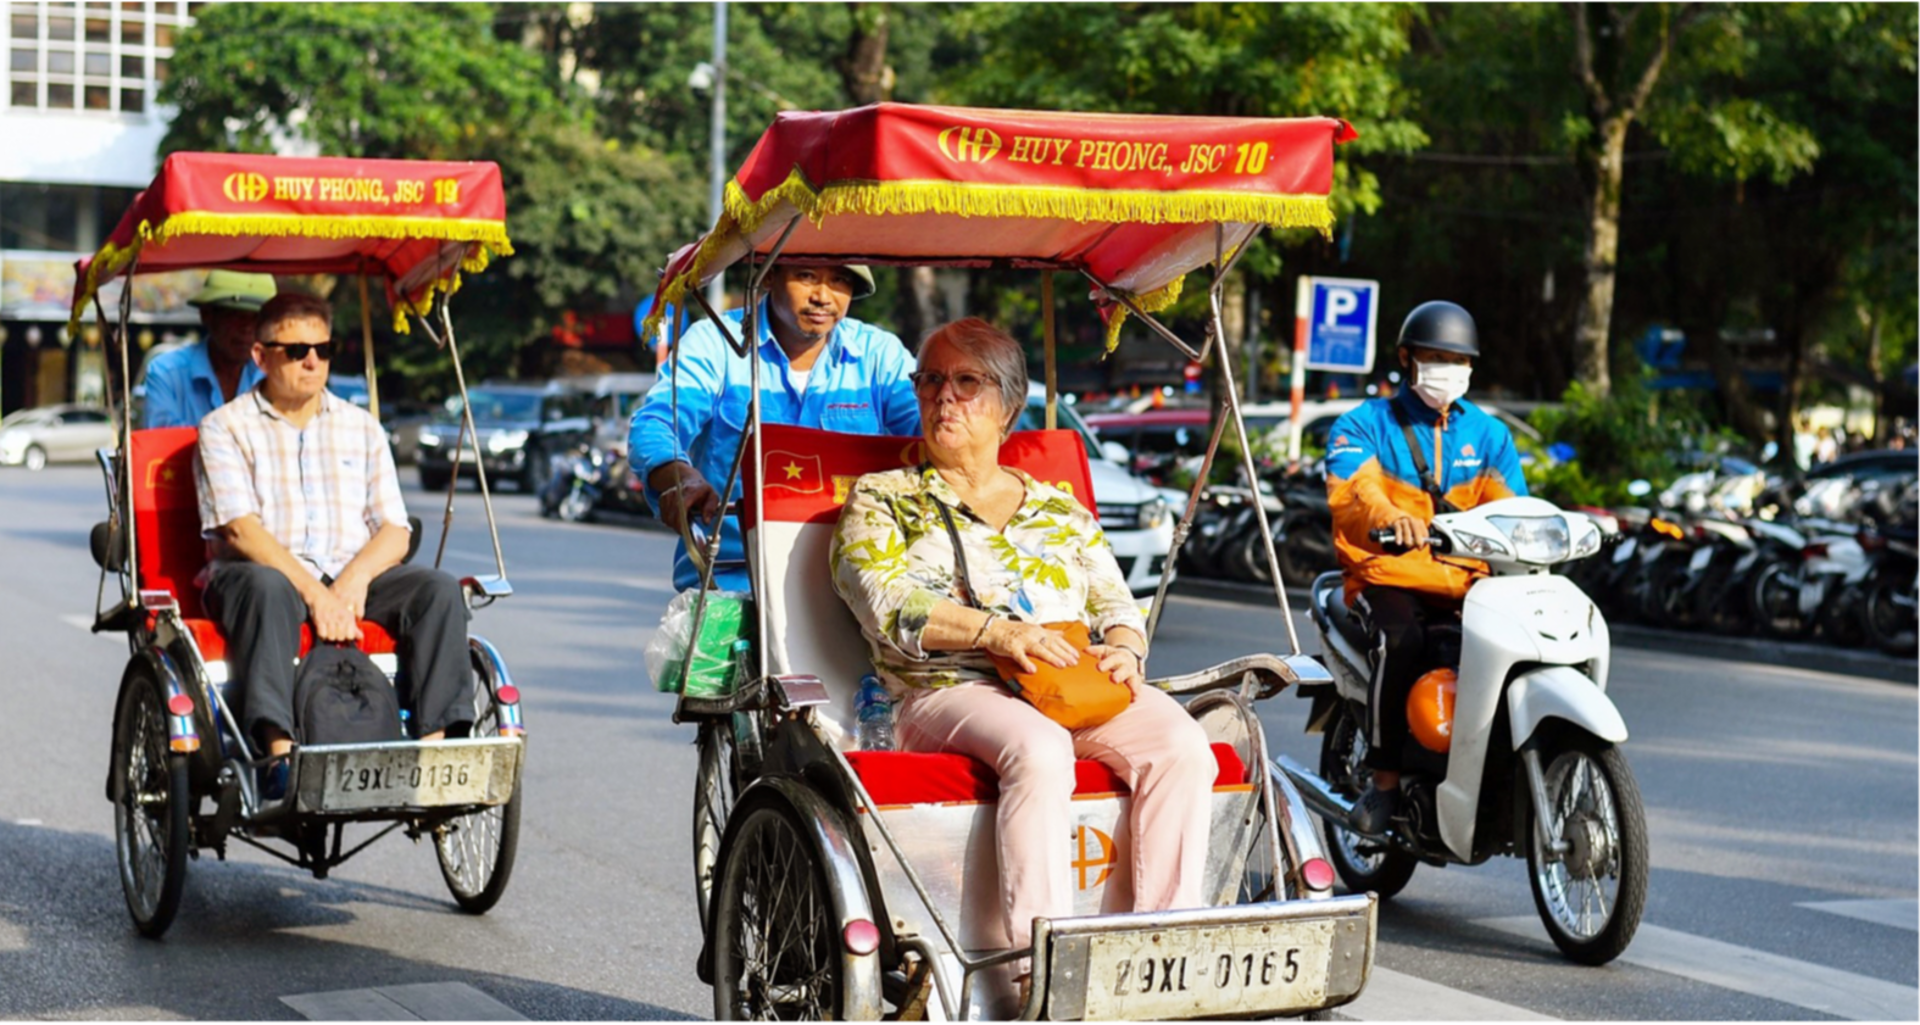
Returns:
<point x="902" y="777"/>
<point x="374" y="639"/>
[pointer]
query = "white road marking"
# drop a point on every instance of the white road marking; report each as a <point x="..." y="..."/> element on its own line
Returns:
<point x="424" y="1001"/>
<point x="29" y="822"/>
<point x="1901" y="914"/>
<point x="1397" y="996"/>
<point x="1815" y="987"/>
<point x="75" y="619"/>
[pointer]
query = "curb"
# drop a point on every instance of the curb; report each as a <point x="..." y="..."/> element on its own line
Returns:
<point x="1820" y="657"/>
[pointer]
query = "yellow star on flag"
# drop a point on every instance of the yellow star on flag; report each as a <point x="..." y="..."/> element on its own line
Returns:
<point x="793" y="471"/>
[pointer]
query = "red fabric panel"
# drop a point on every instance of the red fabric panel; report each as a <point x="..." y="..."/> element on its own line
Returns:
<point x="374" y="639"/>
<point x="810" y="472"/>
<point x="900" y="777"/>
<point x="166" y="513"/>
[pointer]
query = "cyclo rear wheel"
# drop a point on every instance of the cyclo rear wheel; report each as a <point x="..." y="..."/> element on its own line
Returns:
<point x="476" y="850"/>
<point x="151" y="827"/>
<point x="774" y="942"/>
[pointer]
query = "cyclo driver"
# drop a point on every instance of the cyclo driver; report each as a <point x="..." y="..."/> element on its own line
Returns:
<point x="1394" y="463"/>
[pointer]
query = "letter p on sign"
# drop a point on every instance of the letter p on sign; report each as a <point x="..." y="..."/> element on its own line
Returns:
<point x="1340" y="302"/>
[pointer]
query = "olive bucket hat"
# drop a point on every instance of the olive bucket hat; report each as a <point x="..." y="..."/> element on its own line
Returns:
<point x="232" y="290"/>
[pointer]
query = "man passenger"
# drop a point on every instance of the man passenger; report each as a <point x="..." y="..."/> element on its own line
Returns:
<point x="187" y="383"/>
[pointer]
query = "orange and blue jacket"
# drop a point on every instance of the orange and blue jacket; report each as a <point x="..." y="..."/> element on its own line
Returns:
<point x="1371" y="481"/>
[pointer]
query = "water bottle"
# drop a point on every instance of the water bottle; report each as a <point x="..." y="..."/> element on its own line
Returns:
<point x="874" y="707"/>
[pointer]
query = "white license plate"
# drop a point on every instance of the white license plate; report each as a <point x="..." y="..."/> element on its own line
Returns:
<point x="1208" y="972"/>
<point x="415" y="777"/>
<point x="1701" y="556"/>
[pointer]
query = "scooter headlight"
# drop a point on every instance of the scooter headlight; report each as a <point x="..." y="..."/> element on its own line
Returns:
<point x="1540" y="540"/>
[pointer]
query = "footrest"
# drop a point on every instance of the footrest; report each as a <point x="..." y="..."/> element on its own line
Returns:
<point x="1250" y="960"/>
<point x="406" y="775"/>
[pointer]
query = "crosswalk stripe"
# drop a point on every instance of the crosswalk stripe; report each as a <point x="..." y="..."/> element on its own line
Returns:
<point x="421" y="1001"/>
<point x="1397" y="996"/>
<point x="1815" y="987"/>
<point x="1901" y="914"/>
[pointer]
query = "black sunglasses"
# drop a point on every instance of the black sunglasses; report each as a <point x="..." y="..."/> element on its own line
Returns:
<point x="297" y="351"/>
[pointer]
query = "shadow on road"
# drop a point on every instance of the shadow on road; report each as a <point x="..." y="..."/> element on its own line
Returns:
<point x="243" y="939"/>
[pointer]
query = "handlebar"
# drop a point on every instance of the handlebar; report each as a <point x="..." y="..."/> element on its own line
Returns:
<point x="1384" y="537"/>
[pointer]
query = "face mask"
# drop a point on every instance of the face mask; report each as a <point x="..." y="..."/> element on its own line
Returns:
<point x="1440" y="385"/>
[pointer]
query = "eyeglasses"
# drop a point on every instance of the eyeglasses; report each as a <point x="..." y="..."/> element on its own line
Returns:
<point x="297" y="351"/>
<point x="927" y="383"/>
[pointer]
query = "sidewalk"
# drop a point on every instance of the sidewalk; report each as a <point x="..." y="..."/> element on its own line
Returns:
<point x="1798" y="655"/>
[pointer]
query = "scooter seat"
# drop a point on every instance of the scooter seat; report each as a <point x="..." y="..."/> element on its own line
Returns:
<point x="1346" y="621"/>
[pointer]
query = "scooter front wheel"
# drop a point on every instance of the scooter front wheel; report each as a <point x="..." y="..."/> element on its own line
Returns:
<point x="1590" y="894"/>
<point x="1363" y="864"/>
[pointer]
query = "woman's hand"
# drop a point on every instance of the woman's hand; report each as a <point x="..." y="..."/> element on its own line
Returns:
<point x="1024" y="642"/>
<point x="1122" y="664"/>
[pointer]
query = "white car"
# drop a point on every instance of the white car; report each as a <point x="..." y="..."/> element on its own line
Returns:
<point x="54" y="434"/>
<point x="1137" y="518"/>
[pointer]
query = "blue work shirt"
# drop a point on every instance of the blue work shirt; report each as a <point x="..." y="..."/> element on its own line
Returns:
<point x="858" y="385"/>
<point x="182" y="387"/>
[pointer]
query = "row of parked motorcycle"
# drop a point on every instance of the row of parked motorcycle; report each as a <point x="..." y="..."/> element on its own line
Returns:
<point x="1731" y="550"/>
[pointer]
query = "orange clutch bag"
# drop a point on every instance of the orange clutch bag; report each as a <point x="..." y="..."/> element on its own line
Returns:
<point x="1076" y="697"/>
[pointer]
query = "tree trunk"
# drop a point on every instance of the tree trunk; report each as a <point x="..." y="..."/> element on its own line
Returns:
<point x="1591" y="360"/>
<point x="864" y="69"/>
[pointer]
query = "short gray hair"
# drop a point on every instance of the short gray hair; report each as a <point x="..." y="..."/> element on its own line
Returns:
<point x="1003" y="358"/>
<point x="289" y="306"/>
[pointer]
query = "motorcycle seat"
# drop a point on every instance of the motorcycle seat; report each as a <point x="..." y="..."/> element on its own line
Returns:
<point x="1345" y="620"/>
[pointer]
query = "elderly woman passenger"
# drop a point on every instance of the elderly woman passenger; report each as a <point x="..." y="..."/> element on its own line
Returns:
<point x="1034" y="555"/>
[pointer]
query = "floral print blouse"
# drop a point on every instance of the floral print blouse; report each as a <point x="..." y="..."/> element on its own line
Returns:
<point x="893" y="562"/>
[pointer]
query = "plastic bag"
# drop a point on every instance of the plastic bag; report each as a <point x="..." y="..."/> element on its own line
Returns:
<point x="725" y="622"/>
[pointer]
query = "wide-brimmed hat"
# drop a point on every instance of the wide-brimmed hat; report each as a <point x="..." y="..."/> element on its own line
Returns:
<point x="232" y="290"/>
<point x="865" y="274"/>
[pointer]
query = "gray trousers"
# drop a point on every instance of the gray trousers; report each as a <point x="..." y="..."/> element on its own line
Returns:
<point x="259" y="610"/>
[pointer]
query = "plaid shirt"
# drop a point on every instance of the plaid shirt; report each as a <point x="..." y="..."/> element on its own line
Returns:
<point x="321" y="492"/>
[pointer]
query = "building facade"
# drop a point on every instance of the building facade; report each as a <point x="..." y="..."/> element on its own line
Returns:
<point x="79" y="131"/>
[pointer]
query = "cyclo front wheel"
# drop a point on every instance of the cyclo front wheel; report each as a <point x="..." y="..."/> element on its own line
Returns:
<point x="1591" y="894"/>
<point x="774" y="943"/>
<point x="151" y="827"/>
<point x="476" y="850"/>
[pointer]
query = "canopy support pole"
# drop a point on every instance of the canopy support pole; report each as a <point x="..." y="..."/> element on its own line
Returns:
<point x="445" y="337"/>
<point x="1052" y="357"/>
<point x="366" y="349"/>
<point x="126" y="420"/>
<point x="1147" y="318"/>
<point x="1232" y="394"/>
<point x="757" y="558"/>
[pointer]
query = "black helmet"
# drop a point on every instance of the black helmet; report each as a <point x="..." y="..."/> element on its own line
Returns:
<point x="1443" y="326"/>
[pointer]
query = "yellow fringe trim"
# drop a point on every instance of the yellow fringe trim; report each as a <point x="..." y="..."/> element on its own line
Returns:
<point x="489" y="239"/>
<point x="742" y="217"/>
<point x="1152" y="302"/>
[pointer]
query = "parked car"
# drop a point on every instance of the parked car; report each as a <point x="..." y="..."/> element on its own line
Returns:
<point x="1137" y="519"/>
<point x="54" y="434"/>
<point x="1153" y="442"/>
<point x="519" y="426"/>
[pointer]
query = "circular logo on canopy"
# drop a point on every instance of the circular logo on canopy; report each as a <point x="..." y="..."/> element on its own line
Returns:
<point x="969" y="144"/>
<point x="245" y="187"/>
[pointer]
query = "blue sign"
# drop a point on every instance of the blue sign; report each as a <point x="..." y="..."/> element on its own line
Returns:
<point x="1340" y="325"/>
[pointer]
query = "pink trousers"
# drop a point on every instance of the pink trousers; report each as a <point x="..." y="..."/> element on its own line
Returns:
<point x="1155" y="746"/>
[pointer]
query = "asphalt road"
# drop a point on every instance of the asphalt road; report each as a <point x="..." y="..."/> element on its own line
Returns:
<point x="1767" y="789"/>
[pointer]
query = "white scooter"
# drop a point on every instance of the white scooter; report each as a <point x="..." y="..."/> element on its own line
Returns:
<point x="1532" y="762"/>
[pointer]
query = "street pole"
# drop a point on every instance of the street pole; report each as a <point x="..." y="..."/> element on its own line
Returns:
<point x="1302" y="309"/>
<point x="717" y="187"/>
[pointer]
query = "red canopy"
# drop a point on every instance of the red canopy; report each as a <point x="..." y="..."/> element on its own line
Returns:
<point x="417" y="224"/>
<point x="1132" y="199"/>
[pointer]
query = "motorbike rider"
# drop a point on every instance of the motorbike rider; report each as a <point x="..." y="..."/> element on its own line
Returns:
<point x="1394" y="463"/>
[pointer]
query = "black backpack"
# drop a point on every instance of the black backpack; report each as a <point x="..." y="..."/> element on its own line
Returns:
<point x="341" y="697"/>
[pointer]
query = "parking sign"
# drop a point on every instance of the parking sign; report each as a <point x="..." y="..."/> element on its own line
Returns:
<point x="1340" y="325"/>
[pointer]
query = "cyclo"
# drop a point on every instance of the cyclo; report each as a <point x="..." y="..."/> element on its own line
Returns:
<point x="182" y="775"/>
<point x="838" y="883"/>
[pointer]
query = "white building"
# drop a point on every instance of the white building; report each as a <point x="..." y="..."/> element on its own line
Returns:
<point x="79" y="132"/>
